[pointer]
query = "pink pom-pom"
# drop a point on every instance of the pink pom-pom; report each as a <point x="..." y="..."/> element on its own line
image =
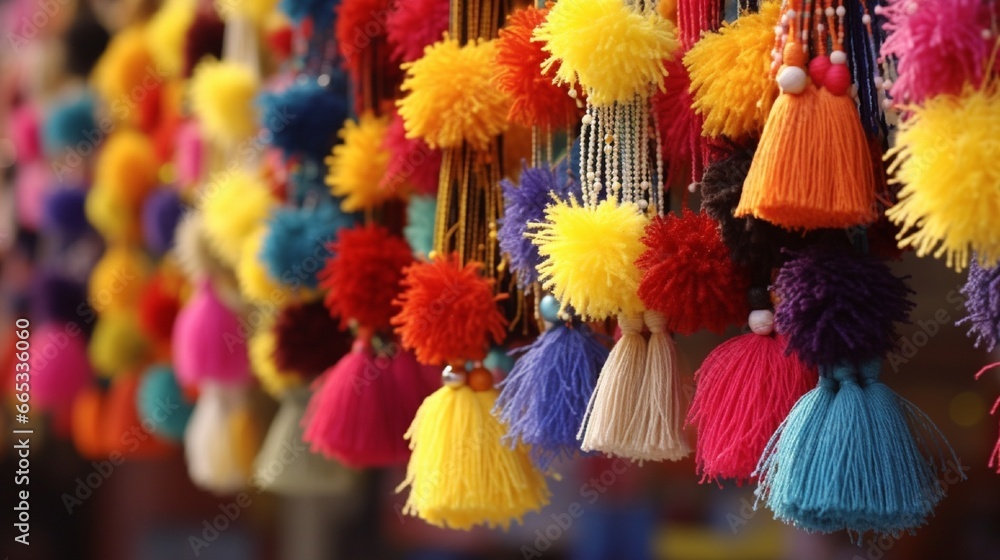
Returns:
<point x="23" y="129"/>
<point x="940" y="45"/>
<point x="743" y="391"/>
<point x="59" y="366"/>
<point x="838" y="79"/>
<point x="32" y="185"/>
<point x="209" y="343"/>
<point x="363" y="405"/>
<point x="187" y="157"/>
<point x="818" y="68"/>
<point x="412" y="163"/>
<point x="414" y="25"/>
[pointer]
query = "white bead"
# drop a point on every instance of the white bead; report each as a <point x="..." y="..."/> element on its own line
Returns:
<point x="878" y="9"/>
<point x="597" y="185"/>
<point x="572" y="93"/>
<point x="644" y="185"/>
<point x="838" y="57"/>
<point x="820" y="27"/>
<point x="692" y="187"/>
<point x="616" y="186"/>
<point x="591" y="175"/>
<point x="804" y="35"/>
<point x="607" y="149"/>
<point x="829" y="11"/>
<point x="791" y="15"/>
<point x="841" y="11"/>
<point x="792" y="79"/>
<point x="887" y="84"/>
<point x="643" y="204"/>
<point x="879" y="82"/>
<point x="778" y="30"/>
<point x="587" y="119"/>
<point x="866" y="19"/>
<point x="761" y="322"/>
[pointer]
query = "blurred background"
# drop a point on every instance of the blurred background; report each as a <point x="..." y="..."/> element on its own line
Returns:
<point x="141" y="504"/>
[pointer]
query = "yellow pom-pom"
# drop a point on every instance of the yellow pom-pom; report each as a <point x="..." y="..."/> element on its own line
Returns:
<point x="261" y="347"/>
<point x="256" y="285"/>
<point x="948" y="160"/>
<point x="359" y="163"/>
<point x="451" y="95"/>
<point x="222" y="97"/>
<point x="117" y="280"/>
<point x="166" y="34"/>
<point x="124" y="73"/>
<point x="460" y="474"/>
<point x="257" y="11"/>
<point x="111" y="216"/>
<point x="232" y="208"/>
<point x="127" y="169"/>
<point x="614" y="51"/>
<point x="117" y="345"/>
<point x="588" y="256"/>
<point x="730" y="74"/>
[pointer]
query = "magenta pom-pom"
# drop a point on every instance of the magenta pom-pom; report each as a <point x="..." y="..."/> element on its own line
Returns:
<point x="23" y="129"/>
<point x="209" y="343"/>
<point x="837" y="79"/>
<point x="415" y="24"/>
<point x="60" y="368"/>
<point x="412" y="163"/>
<point x="818" y="67"/>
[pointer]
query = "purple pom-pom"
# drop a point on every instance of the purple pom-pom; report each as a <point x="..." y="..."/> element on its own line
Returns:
<point x="64" y="212"/>
<point x="523" y="204"/>
<point x="58" y="298"/>
<point x="835" y="305"/>
<point x="982" y="292"/>
<point x="161" y="213"/>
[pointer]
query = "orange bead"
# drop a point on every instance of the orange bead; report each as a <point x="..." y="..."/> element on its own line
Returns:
<point x="480" y="379"/>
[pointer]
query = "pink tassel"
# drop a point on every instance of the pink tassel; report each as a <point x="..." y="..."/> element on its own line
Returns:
<point x="744" y="390"/>
<point x="362" y="406"/>
<point x="209" y="342"/>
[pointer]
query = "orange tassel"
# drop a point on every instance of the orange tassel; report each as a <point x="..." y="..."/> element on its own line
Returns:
<point x="812" y="168"/>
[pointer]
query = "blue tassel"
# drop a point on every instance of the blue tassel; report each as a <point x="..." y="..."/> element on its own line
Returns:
<point x="853" y="455"/>
<point x="544" y="398"/>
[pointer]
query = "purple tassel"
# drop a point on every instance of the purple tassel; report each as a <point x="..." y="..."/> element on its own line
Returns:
<point x="835" y="305"/>
<point x="524" y="204"/>
<point x="161" y="213"/>
<point x="982" y="292"/>
<point x="544" y="398"/>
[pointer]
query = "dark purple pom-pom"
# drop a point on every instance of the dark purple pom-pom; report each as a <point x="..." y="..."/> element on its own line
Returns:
<point x="161" y="212"/>
<point x="58" y="298"/>
<point x="64" y="212"/>
<point x="836" y="305"/>
<point x="308" y="340"/>
<point x="982" y="292"/>
<point x="523" y="204"/>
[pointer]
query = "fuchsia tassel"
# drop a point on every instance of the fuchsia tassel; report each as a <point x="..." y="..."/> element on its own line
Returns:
<point x="208" y="341"/>
<point x="744" y="389"/>
<point x="362" y="406"/>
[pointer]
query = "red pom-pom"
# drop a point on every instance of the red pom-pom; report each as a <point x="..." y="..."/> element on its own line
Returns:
<point x="362" y="278"/>
<point x="818" y="67"/>
<point x="744" y="389"/>
<point x="537" y="100"/>
<point x="412" y="163"/>
<point x="415" y="24"/>
<point x="681" y="143"/>
<point x="688" y="275"/>
<point x="308" y="340"/>
<point x="158" y="307"/>
<point x="448" y="312"/>
<point x="363" y="405"/>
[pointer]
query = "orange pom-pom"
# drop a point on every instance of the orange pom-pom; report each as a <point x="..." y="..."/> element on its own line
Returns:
<point x="688" y="275"/>
<point x="448" y="311"/>
<point x="362" y="278"/>
<point x="537" y="100"/>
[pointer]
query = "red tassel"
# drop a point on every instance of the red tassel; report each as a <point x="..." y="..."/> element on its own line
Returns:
<point x="362" y="406"/>
<point x="743" y="391"/>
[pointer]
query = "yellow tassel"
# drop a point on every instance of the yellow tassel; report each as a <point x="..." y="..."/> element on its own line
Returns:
<point x="359" y="163"/>
<point x="730" y="74"/>
<point x="812" y="168"/>
<point x="613" y="50"/>
<point x="257" y="11"/>
<point x="222" y="97"/>
<point x="460" y="475"/>
<point x="588" y="256"/>
<point x="947" y="158"/>
<point x="232" y="208"/>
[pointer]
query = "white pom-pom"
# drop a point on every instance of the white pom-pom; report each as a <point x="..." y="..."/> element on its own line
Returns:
<point x="761" y="322"/>
<point x="792" y="79"/>
<point x="838" y="57"/>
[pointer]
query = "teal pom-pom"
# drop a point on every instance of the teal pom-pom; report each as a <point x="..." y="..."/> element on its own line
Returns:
<point x="161" y="404"/>
<point x="71" y="125"/>
<point x="297" y="243"/>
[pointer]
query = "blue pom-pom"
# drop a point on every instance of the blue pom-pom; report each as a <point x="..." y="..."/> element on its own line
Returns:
<point x="296" y="245"/>
<point x="161" y="212"/>
<point x="524" y="204"/>
<point x="303" y="119"/>
<point x="544" y="399"/>
<point x="71" y="125"/>
<point x="853" y="455"/>
<point x="161" y="403"/>
<point x="321" y="11"/>
<point x="419" y="230"/>
<point x="64" y="212"/>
